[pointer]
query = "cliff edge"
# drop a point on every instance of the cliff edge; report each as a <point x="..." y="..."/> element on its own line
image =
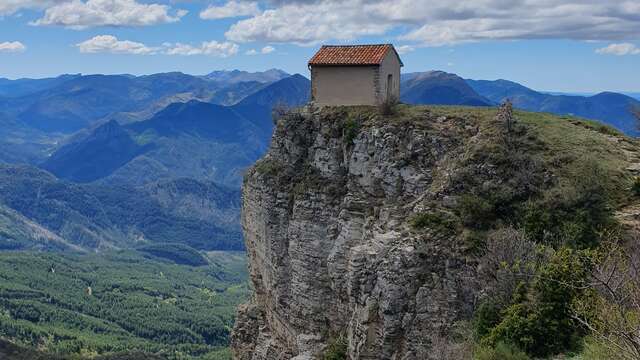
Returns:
<point x="363" y="231"/>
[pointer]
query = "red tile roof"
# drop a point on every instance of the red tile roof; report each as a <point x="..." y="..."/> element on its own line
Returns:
<point x="351" y="54"/>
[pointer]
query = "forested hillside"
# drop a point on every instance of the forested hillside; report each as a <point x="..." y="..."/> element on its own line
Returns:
<point x="79" y="306"/>
<point x="99" y="217"/>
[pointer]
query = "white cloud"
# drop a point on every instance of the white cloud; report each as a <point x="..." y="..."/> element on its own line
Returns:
<point x="307" y="23"/>
<point x="211" y="48"/>
<point x="441" y="22"/>
<point x="404" y="49"/>
<point x="230" y="10"/>
<point x="619" y="49"/>
<point x="79" y="14"/>
<point x="12" y="47"/>
<point x="111" y="44"/>
<point x="9" y="7"/>
<point x="265" y="50"/>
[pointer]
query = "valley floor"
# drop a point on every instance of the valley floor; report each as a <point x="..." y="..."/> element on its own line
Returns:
<point x="77" y="306"/>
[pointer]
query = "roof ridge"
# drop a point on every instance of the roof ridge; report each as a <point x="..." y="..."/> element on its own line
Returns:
<point x="354" y="54"/>
<point x="357" y="45"/>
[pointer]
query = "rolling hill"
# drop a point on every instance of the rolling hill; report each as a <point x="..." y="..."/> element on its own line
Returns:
<point x="439" y="88"/>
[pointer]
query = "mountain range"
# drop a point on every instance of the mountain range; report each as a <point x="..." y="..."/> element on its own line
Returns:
<point x="102" y="161"/>
<point x="168" y="176"/>
<point x="608" y="107"/>
<point x="195" y="139"/>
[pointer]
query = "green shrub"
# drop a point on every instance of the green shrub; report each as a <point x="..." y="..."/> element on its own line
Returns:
<point x="486" y="317"/>
<point x="475" y="212"/>
<point x="540" y="323"/>
<point x="351" y="130"/>
<point x="268" y="167"/>
<point x="501" y="351"/>
<point x="336" y="349"/>
<point x="635" y="187"/>
<point x="574" y="216"/>
<point x="439" y="221"/>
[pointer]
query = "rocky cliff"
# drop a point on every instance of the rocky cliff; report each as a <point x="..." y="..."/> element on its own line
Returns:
<point x="353" y="228"/>
<point x="332" y="254"/>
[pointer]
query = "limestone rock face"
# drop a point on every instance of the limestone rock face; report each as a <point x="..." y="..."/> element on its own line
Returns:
<point x="332" y="253"/>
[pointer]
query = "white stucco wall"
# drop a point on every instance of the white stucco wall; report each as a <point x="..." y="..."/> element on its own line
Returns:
<point x="343" y="85"/>
<point x="390" y="66"/>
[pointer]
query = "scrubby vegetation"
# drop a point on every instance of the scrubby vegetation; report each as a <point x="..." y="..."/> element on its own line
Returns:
<point x="336" y="350"/>
<point x="91" y="305"/>
<point x="536" y="201"/>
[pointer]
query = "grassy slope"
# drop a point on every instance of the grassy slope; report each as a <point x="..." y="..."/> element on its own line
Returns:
<point x="136" y="304"/>
<point x="567" y="143"/>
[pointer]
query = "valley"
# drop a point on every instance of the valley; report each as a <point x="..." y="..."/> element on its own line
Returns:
<point x="120" y="302"/>
<point x="105" y="176"/>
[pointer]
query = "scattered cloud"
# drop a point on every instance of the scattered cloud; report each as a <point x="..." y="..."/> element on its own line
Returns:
<point x="12" y="47"/>
<point x="79" y="14"/>
<point x="230" y="10"/>
<point x="440" y="22"/>
<point x="267" y="49"/>
<point x="404" y="49"/>
<point x="211" y="48"/>
<point x="10" y="7"/>
<point x="619" y="49"/>
<point x="111" y="44"/>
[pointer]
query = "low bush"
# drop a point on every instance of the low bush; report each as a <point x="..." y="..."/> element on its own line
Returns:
<point x="635" y="187"/>
<point x="476" y="212"/>
<point x="350" y="130"/>
<point x="438" y="221"/>
<point x="388" y="106"/>
<point x="501" y="351"/>
<point x="540" y="320"/>
<point x="336" y="350"/>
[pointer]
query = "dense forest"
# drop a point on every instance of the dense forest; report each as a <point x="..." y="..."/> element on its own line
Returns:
<point x="87" y="305"/>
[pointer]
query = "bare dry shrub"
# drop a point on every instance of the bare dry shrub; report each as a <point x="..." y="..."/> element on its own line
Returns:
<point x="388" y="106"/>
<point x="509" y="259"/>
<point x="505" y="115"/>
<point x="612" y="313"/>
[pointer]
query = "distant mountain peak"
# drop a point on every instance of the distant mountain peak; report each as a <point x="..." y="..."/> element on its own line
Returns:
<point x="236" y="76"/>
<point x="438" y="87"/>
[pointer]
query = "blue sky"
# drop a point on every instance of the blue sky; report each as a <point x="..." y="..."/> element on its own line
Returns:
<point x="554" y="45"/>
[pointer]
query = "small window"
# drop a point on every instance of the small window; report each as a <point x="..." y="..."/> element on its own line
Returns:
<point x="389" y="86"/>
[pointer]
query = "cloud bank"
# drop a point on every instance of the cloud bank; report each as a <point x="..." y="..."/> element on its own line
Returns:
<point x="112" y="45"/>
<point x="441" y="22"/>
<point x="78" y="14"/>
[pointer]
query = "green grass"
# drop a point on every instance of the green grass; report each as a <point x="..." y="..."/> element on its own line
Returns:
<point x="135" y="304"/>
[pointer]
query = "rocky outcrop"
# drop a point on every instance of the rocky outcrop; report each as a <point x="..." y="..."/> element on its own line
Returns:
<point x="333" y="256"/>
